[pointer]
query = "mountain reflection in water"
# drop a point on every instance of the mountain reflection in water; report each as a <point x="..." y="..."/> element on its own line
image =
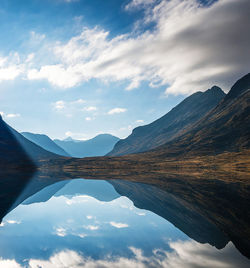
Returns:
<point x="56" y="221"/>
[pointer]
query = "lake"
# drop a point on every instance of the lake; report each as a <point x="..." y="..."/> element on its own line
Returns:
<point x="114" y="223"/>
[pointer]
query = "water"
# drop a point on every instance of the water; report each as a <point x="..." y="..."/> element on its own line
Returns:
<point x="90" y="223"/>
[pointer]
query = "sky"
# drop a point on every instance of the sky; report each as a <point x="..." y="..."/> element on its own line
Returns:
<point x="83" y="67"/>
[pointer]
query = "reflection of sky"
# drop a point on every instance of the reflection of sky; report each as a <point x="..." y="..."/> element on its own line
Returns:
<point x="82" y="231"/>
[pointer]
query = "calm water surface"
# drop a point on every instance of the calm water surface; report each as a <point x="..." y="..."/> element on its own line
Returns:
<point x="88" y="223"/>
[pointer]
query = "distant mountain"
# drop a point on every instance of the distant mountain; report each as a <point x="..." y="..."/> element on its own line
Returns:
<point x="14" y="148"/>
<point x="69" y="139"/>
<point x="98" y="146"/>
<point x="176" y="122"/>
<point x="45" y="142"/>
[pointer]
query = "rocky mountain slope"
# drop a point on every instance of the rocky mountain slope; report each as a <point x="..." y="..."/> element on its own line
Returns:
<point x="180" y="119"/>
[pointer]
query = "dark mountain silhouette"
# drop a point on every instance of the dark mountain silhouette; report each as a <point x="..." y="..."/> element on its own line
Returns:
<point x="16" y="149"/>
<point x="180" y="119"/>
<point x="45" y="142"/>
<point x="11" y="152"/>
<point x="98" y="146"/>
<point x="16" y="162"/>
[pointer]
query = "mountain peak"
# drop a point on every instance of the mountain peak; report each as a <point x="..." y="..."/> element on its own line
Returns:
<point x="242" y="85"/>
<point x="69" y="139"/>
<point x="215" y="90"/>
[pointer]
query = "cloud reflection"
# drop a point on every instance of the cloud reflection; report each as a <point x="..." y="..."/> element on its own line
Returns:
<point x="182" y="255"/>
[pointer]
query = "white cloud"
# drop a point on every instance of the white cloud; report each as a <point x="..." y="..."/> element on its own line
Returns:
<point x="61" y="232"/>
<point x="91" y="227"/>
<point x="141" y="213"/>
<point x="59" y="105"/>
<point x="139" y="121"/>
<point x="82" y="235"/>
<point x="68" y="133"/>
<point x="57" y="75"/>
<point x="117" y="111"/>
<point x="135" y="4"/>
<point x="191" y="47"/>
<point x="9" y="263"/>
<point x="79" y="101"/>
<point x="90" y="108"/>
<point x="12" y="115"/>
<point x="13" y="222"/>
<point x="89" y="217"/>
<point x="10" y="67"/>
<point x="63" y="259"/>
<point x="10" y="73"/>
<point x="37" y="37"/>
<point x="68" y="108"/>
<point x="88" y="118"/>
<point x="182" y="255"/>
<point x="118" y="224"/>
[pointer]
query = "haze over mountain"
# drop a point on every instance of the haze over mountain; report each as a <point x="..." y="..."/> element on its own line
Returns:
<point x="45" y="142"/>
<point x="173" y="124"/>
<point x="98" y="146"/>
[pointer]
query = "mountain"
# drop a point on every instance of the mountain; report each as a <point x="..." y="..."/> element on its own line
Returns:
<point x="45" y="142"/>
<point x="171" y="125"/>
<point x="225" y="128"/>
<point x="14" y="148"/>
<point x="182" y="214"/>
<point x="12" y="154"/>
<point x="217" y="144"/>
<point x="98" y="146"/>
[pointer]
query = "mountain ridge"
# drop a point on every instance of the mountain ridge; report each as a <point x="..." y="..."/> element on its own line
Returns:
<point x="97" y="146"/>
<point x="45" y="142"/>
<point x="15" y="148"/>
<point x="173" y="124"/>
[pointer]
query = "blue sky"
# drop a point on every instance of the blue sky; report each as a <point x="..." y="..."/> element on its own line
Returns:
<point x="81" y="67"/>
